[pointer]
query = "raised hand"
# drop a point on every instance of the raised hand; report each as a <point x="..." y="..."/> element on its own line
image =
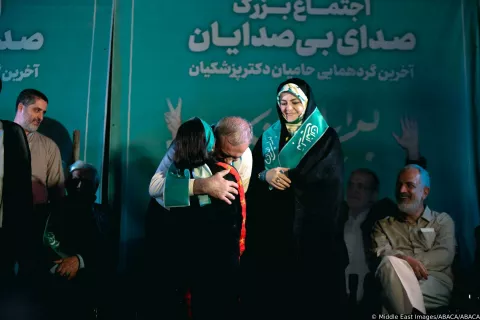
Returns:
<point x="173" y="117"/>
<point x="409" y="139"/>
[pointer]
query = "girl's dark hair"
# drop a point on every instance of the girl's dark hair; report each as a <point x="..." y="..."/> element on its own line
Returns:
<point x="190" y="145"/>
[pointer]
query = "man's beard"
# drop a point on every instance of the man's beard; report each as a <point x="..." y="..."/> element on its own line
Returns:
<point x="31" y="127"/>
<point x="410" y="207"/>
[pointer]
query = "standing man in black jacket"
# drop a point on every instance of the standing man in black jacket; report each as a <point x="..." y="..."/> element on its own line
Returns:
<point x="19" y="244"/>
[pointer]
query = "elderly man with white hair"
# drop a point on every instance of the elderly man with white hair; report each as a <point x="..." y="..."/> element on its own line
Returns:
<point x="73" y="220"/>
<point x="76" y="238"/>
<point x="416" y="247"/>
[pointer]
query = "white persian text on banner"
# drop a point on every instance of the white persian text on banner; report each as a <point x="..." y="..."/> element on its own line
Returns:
<point x="302" y="9"/>
<point x="18" y="74"/>
<point x="279" y="71"/>
<point x="349" y="44"/>
<point x="34" y="42"/>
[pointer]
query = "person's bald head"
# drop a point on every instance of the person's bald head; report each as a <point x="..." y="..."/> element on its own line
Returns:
<point x="233" y="135"/>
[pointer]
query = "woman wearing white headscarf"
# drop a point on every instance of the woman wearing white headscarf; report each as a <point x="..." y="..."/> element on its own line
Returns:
<point x="294" y="260"/>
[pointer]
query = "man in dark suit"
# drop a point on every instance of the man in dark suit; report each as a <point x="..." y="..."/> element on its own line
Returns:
<point x="16" y="215"/>
<point x="76" y="239"/>
<point x="19" y="242"/>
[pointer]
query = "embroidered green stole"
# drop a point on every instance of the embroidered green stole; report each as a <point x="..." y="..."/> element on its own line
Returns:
<point x="312" y="129"/>
<point x="176" y="192"/>
<point x="50" y="241"/>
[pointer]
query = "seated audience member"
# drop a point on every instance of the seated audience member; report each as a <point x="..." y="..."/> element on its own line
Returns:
<point x="357" y="218"/>
<point x="416" y="247"/>
<point x="359" y="213"/>
<point x="76" y="241"/>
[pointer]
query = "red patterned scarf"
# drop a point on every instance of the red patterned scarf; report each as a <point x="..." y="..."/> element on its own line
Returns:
<point x="243" y="203"/>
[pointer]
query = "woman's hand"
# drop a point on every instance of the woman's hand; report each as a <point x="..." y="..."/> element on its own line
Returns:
<point x="277" y="178"/>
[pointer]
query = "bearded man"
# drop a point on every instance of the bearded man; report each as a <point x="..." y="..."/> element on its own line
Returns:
<point x="416" y="249"/>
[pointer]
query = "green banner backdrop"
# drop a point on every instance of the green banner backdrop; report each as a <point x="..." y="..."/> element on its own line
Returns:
<point x="62" y="48"/>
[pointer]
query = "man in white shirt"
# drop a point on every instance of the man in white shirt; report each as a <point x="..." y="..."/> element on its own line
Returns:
<point x="233" y="135"/>
<point x="362" y="192"/>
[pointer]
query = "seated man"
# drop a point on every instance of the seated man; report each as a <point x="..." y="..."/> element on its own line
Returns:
<point x="76" y="240"/>
<point x="359" y="213"/>
<point x="416" y="247"/>
<point x="233" y="135"/>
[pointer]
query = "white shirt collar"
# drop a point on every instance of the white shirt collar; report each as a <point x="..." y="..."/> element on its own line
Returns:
<point x="359" y="217"/>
